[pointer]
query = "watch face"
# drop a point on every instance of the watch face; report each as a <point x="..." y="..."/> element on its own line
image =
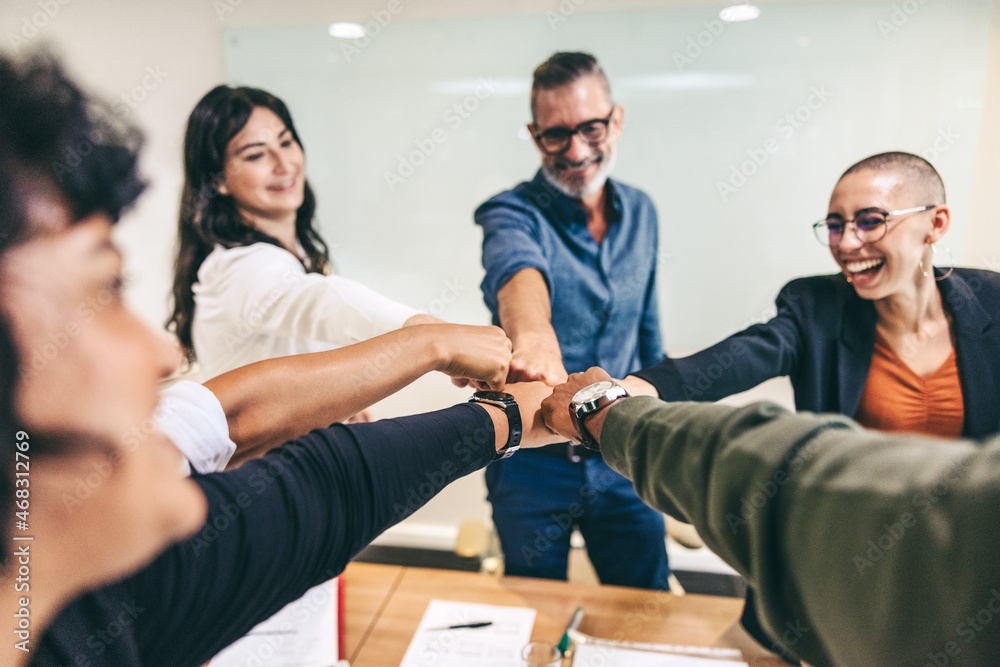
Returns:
<point x="593" y="392"/>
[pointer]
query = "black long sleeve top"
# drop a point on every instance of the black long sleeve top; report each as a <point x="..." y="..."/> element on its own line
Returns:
<point x="276" y="527"/>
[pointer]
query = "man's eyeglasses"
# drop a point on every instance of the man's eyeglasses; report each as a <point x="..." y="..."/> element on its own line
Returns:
<point x="869" y="225"/>
<point x="556" y="140"/>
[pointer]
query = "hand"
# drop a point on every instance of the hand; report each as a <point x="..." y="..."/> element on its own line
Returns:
<point x="474" y="355"/>
<point x="477" y="385"/>
<point x="555" y="408"/>
<point x="529" y="396"/>
<point x="536" y="361"/>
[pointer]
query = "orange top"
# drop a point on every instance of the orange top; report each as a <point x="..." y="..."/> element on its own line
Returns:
<point x="897" y="399"/>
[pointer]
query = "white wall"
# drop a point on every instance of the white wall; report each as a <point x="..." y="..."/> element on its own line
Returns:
<point x="778" y="99"/>
<point x="113" y="46"/>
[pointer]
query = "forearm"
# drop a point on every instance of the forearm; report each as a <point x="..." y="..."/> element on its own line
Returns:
<point x="274" y="400"/>
<point x="840" y="531"/>
<point x="525" y="313"/>
<point x="295" y="518"/>
<point x="698" y="461"/>
<point x="525" y="310"/>
<point x="737" y="363"/>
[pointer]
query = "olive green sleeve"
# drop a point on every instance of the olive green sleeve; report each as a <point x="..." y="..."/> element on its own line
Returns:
<point x="864" y="548"/>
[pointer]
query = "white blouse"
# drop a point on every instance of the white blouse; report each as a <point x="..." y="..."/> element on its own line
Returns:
<point x="192" y="417"/>
<point x="257" y="302"/>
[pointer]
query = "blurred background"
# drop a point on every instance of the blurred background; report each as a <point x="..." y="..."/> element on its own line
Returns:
<point x="738" y="131"/>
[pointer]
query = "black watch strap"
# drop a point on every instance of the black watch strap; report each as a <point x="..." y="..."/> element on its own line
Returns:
<point x="506" y="401"/>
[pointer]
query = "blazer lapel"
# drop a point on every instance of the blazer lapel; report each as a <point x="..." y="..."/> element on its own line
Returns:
<point x="854" y="350"/>
<point x="973" y="345"/>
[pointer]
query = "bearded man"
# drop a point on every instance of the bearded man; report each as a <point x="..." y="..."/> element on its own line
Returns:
<point x="570" y="261"/>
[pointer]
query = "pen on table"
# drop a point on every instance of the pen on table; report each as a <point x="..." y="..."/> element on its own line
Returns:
<point x="574" y="623"/>
<point x="463" y="626"/>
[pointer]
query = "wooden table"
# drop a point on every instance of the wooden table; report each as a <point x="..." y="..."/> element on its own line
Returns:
<point x="384" y="604"/>
<point x="367" y="589"/>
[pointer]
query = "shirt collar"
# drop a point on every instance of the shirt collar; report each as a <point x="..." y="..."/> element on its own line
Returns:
<point x="569" y="209"/>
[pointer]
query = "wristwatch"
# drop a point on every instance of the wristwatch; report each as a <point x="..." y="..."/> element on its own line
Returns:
<point x="509" y="405"/>
<point x="593" y="398"/>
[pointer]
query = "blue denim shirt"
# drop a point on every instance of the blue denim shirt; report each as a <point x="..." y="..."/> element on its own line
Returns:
<point x="604" y="308"/>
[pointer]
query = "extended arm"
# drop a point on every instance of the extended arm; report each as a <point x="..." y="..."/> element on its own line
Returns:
<point x="526" y="315"/>
<point x="516" y="288"/>
<point x="851" y="539"/>
<point x="740" y="362"/>
<point x="295" y="517"/>
<point x="271" y="401"/>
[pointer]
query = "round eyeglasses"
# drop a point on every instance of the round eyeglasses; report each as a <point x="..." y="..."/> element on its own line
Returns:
<point x="556" y="140"/>
<point x="869" y="225"/>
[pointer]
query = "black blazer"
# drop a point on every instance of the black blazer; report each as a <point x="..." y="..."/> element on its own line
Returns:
<point x="823" y="337"/>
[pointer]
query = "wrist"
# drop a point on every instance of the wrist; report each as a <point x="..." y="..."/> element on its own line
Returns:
<point x="592" y="402"/>
<point x="435" y="346"/>
<point x="636" y="386"/>
<point x="507" y="436"/>
<point x="594" y="423"/>
<point x="500" y="429"/>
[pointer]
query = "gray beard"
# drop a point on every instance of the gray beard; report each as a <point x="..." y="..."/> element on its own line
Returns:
<point x="587" y="189"/>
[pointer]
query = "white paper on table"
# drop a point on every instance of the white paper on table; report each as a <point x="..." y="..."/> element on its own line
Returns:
<point x="303" y="634"/>
<point x="498" y="645"/>
<point x="592" y="655"/>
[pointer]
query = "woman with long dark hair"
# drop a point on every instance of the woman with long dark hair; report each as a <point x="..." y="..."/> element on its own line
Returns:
<point x="252" y="277"/>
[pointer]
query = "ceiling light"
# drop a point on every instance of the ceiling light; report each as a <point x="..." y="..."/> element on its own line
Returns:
<point x="742" y="12"/>
<point x="346" y="30"/>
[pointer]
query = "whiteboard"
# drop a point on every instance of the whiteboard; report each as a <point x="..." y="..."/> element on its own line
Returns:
<point x="787" y="101"/>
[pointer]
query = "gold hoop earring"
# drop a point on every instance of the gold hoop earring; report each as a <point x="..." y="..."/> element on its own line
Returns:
<point x="951" y="262"/>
